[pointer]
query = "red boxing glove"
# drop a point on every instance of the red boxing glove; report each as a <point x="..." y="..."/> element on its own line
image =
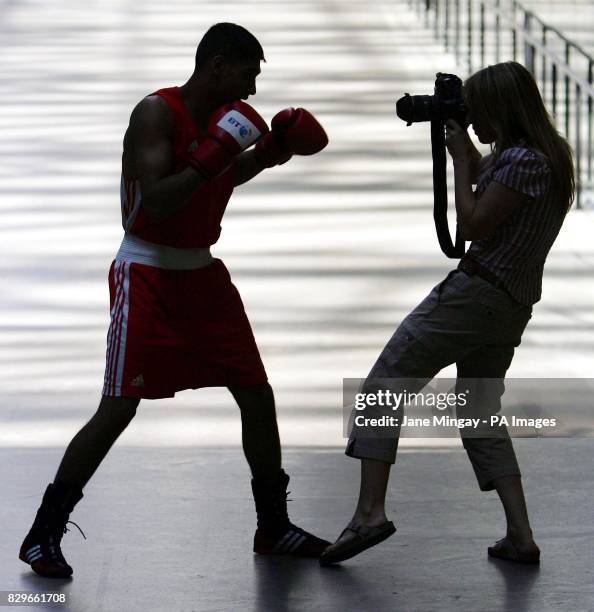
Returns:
<point x="232" y="128"/>
<point x="293" y="131"/>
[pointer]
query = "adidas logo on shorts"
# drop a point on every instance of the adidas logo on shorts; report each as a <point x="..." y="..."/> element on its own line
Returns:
<point x="138" y="381"/>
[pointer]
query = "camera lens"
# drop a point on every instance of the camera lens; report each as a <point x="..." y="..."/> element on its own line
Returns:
<point x="414" y="108"/>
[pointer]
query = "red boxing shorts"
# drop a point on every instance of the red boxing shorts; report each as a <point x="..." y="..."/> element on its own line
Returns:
<point x="177" y="329"/>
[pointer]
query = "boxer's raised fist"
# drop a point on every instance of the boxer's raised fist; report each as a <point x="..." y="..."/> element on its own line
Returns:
<point x="232" y="128"/>
<point x="293" y="131"/>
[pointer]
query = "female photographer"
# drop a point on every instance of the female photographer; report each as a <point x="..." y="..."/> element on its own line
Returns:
<point x="476" y="316"/>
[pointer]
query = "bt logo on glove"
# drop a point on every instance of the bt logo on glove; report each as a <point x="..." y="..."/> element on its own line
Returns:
<point x="240" y="127"/>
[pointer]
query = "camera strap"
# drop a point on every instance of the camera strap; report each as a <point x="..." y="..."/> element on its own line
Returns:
<point x="440" y="194"/>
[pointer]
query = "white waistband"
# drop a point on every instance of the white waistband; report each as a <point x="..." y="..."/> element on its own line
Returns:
<point x="135" y="250"/>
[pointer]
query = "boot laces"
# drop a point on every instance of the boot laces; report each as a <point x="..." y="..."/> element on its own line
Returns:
<point x="54" y="551"/>
<point x="73" y="523"/>
<point x="53" y="542"/>
<point x="280" y="503"/>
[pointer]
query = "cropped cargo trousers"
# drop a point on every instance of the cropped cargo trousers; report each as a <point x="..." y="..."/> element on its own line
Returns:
<point x="464" y="320"/>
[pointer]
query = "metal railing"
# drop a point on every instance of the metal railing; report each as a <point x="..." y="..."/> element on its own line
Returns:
<point x="479" y="32"/>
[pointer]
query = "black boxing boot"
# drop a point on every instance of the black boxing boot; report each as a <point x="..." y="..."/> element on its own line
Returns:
<point x="276" y="535"/>
<point x="41" y="548"/>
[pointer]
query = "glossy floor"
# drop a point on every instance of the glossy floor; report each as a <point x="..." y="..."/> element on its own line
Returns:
<point x="171" y="529"/>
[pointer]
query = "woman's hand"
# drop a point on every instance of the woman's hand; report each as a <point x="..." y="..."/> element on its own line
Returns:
<point x="458" y="142"/>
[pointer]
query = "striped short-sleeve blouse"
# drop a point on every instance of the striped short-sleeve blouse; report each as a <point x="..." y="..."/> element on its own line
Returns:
<point x="516" y="250"/>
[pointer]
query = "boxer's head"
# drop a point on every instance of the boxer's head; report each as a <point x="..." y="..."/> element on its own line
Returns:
<point x="229" y="56"/>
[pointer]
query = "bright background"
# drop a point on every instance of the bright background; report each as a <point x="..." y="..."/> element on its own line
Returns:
<point x="329" y="253"/>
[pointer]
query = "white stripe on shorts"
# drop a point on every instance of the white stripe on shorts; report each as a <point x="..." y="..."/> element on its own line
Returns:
<point x="110" y="334"/>
<point x="113" y="328"/>
<point x="116" y="339"/>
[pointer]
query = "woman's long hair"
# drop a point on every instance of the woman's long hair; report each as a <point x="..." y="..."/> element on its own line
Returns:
<point x="506" y="97"/>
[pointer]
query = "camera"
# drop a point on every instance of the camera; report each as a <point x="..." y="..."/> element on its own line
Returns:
<point x="446" y="103"/>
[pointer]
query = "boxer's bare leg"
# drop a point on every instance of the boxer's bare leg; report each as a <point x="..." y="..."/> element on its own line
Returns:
<point x="41" y="546"/>
<point x="275" y="533"/>
<point x="90" y="445"/>
<point x="261" y="443"/>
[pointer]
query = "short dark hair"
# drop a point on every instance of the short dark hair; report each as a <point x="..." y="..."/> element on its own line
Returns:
<point x="230" y="40"/>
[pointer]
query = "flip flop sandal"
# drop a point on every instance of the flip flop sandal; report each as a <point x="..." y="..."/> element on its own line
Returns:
<point x="364" y="537"/>
<point x="504" y="549"/>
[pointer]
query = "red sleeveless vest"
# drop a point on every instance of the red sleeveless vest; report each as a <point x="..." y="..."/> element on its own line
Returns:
<point x="198" y="223"/>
